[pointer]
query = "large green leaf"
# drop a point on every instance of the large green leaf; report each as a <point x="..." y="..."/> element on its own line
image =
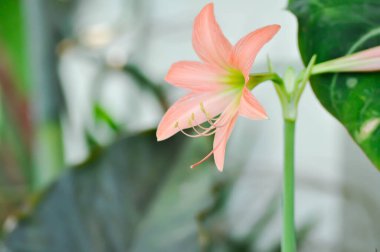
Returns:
<point x="333" y="28"/>
<point x="136" y="195"/>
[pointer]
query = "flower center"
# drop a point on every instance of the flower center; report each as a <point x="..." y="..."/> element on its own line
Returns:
<point x="235" y="78"/>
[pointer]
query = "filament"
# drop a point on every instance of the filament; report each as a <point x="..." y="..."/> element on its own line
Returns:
<point x="185" y="133"/>
<point x="198" y="128"/>
<point x="208" y="155"/>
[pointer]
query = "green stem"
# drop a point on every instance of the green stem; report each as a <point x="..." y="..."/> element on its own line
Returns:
<point x="289" y="91"/>
<point x="288" y="226"/>
<point x="256" y="79"/>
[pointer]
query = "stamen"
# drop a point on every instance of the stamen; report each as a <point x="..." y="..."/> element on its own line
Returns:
<point x="211" y="121"/>
<point x="198" y="128"/>
<point x="204" y="110"/>
<point x="205" y="133"/>
<point x="196" y="123"/>
<point x="202" y="160"/>
<point x="185" y="133"/>
<point x="199" y="134"/>
<point x="208" y="117"/>
<point x="208" y="155"/>
<point x="206" y="129"/>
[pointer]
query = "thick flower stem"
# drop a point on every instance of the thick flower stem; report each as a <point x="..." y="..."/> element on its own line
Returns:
<point x="288" y="227"/>
<point x="289" y="91"/>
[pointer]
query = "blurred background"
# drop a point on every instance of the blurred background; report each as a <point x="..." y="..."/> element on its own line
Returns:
<point x="81" y="91"/>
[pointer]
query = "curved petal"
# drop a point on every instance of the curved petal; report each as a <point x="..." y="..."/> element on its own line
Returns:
<point x="363" y="61"/>
<point x="208" y="40"/>
<point x="246" y="49"/>
<point x="180" y="113"/>
<point x="220" y="142"/>
<point x="370" y="53"/>
<point x="250" y="107"/>
<point x="196" y="76"/>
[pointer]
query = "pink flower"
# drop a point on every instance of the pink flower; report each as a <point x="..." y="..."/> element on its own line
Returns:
<point x="363" y="61"/>
<point x="217" y="85"/>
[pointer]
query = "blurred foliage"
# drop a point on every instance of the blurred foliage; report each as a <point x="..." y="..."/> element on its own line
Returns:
<point x="15" y="120"/>
<point x="331" y="29"/>
<point x="101" y="115"/>
<point x="47" y="24"/>
<point x="135" y="195"/>
<point x="215" y="233"/>
<point x="29" y="82"/>
<point x="135" y="188"/>
<point x="146" y="83"/>
<point x="13" y="41"/>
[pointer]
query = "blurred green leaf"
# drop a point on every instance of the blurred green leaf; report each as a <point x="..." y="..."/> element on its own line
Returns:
<point x="331" y="29"/>
<point x="135" y="195"/>
<point x="15" y="122"/>
<point x="12" y="39"/>
<point x="216" y="233"/>
<point x="101" y="115"/>
<point x="138" y="195"/>
<point x="145" y="82"/>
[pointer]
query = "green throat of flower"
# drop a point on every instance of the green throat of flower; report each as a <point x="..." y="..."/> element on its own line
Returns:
<point x="235" y="79"/>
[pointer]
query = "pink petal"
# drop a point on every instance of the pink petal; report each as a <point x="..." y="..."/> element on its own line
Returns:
<point x="250" y="107"/>
<point x="196" y="76"/>
<point x="208" y="40"/>
<point x="181" y="111"/>
<point x="372" y="65"/>
<point x="367" y="65"/>
<point x="220" y="142"/>
<point x="367" y="54"/>
<point x="363" y="61"/>
<point x="245" y="51"/>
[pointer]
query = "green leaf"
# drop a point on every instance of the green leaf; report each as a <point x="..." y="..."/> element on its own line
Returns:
<point x="101" y="115"/>
<point x="12" y="38"/>
<point x="331" y="29"/>
<point x="136" y="195"/>
<point x="15" y="129"/>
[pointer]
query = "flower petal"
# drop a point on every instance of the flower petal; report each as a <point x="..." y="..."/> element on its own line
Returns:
<point x="181" y="112"/>
<point x="208" y="40"/>
<point x="220" y="142"/>
<point x="373" y="52"/>
<point x="363" y="61"/>
<point x="246" y="49"/>
<point x="196" y="76"/>
<point x="250" y="107"/>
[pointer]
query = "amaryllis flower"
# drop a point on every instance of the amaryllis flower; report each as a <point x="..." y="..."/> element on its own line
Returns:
<point x="218" y="85"/>
<point x="364" y="61"/>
